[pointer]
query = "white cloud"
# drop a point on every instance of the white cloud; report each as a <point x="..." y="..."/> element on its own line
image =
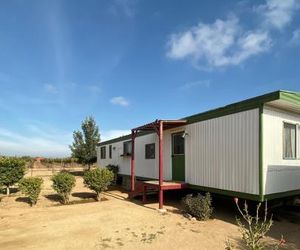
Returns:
<point x="295" y="40"/>
<point x="119" y="100"/>
<point x="277" y="13"/>
<point x="111" y="134"/>
<point x="125" y="7"/>
<point x="12" y="143"/>
<point x="190" y="85"/>
<point x="50" y="88"/>
<point x="219" y="44"/>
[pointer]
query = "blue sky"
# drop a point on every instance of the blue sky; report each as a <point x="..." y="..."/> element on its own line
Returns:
<point x="127" y="62"/>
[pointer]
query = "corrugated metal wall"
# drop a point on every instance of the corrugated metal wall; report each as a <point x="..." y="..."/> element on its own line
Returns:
<point x="280" y="174"/>
<point x="223" y="152"/>
<point x="144" y="167"/>
<point x="220" y="153"/>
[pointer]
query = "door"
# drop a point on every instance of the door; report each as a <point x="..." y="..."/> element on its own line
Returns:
<point x="178" y="157"/>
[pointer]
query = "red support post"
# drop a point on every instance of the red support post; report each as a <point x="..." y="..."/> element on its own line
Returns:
<point x="161" y="164"/>
<point x="132" y="166"/>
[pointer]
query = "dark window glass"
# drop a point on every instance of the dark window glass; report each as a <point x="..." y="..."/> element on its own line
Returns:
<point x="110" y="151"/>
<point x="103" y="152"/>
<point x="127" y="147"/>
<point x="178" y="144"/>
<point x="150" y="151"/>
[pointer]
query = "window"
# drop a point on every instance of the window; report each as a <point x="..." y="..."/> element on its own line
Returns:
<point x="178" y="144"/>
<point x="127" y="147"/>
<point x="298" y="141"/>
<point x="150" y="151"/>
<point x="110" y="151"/>
<point x="289" y="141"/>
<point x="103" y="152"/>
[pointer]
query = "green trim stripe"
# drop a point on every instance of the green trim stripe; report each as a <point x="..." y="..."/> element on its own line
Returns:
<point x="240" y="195"/>
<point x="292" y="97"/>
<point x="282" y="195"/>
<point x="260" y="148"/>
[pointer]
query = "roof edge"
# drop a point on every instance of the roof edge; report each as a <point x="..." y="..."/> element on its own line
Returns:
<point x="250" y="103"/>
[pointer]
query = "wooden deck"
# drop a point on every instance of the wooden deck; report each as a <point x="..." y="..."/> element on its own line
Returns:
<point x="147" y="187"/>
<point x="167" y="185"/>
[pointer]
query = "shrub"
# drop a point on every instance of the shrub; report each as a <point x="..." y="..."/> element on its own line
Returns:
<point x="63" y="184"/>
<point x="198" y="206"/>
<point x="11" y="171"/>
<point x="31" y="187"/>
<point x="254" y="228"/>
<point x="98" y="180"/>
<point x="115" y="170"/>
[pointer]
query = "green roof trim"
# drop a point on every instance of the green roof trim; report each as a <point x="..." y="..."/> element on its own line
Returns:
<point x="292" y="97"/>
<point x="252" y="103"/>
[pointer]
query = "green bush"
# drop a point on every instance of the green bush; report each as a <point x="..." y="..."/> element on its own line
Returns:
<point x="11" y="171"/>
<point x="32" y="187"/>
<point x="115" y="170"/>
<point x="63" y="184"/>
<point x="198" y="206"/>
<point x="98" y="180"/>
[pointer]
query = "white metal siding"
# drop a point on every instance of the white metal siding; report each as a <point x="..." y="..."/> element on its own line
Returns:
<point x="223" y="152"/>
<point x="220" y="153"/>
<point x="144" y="167"/>
<point x="280" y="175"/>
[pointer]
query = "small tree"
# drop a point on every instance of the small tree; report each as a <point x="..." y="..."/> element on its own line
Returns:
<point x="32" y="187"/>
<point x="85" y="142"/>
<point x="115" y="170"/>
<point x="63" y="184"/>
<point x="11" y="171"/>
<point x="98" y="180"/>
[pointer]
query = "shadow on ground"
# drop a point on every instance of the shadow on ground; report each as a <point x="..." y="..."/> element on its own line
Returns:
<point x="53" y="197"/>
<point x="23" y="199"/>
<point x="84" y="195"/>
<point x="225" y="209"/>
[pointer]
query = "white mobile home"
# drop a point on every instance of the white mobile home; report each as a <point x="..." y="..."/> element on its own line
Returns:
<point x="249" y="149"/>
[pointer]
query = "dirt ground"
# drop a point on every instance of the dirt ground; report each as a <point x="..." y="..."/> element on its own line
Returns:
<point x="118" y="223"/>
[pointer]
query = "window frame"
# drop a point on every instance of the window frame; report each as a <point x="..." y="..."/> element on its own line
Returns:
<point x="296" y="141"/>
<point x="147" y="156"/>
<point x="110" y="151"/>
<point x="103" y="152"/>
<point x="129" y="149"/>
<point x="178" y="134"/>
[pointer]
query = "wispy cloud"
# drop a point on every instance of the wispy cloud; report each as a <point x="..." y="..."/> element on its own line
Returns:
<point x="219" y="44"/>
<point x="277" y="13"/>
<point x="119" y="100"/>
<point x="94" y="89"/>
<point x="12" y="143"/>
<point x="50" y="88"/>
<point x="123" y="7"/>
<point x="110" y="134"/>
<point x="226" y="42"/>
<point x="190" y="85"/>
<point x="295" y="40"/>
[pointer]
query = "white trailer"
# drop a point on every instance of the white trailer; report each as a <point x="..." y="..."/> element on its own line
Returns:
<point x="249" y="149"/>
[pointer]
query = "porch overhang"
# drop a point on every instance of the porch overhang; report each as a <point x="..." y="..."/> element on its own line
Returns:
<point x="158" y="126"/>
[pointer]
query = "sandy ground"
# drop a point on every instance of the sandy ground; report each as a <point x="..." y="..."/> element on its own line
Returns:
<point x="117" y="223"/>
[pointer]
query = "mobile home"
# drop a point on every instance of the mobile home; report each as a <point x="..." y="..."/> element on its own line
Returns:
<point x="249" y="149"/>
